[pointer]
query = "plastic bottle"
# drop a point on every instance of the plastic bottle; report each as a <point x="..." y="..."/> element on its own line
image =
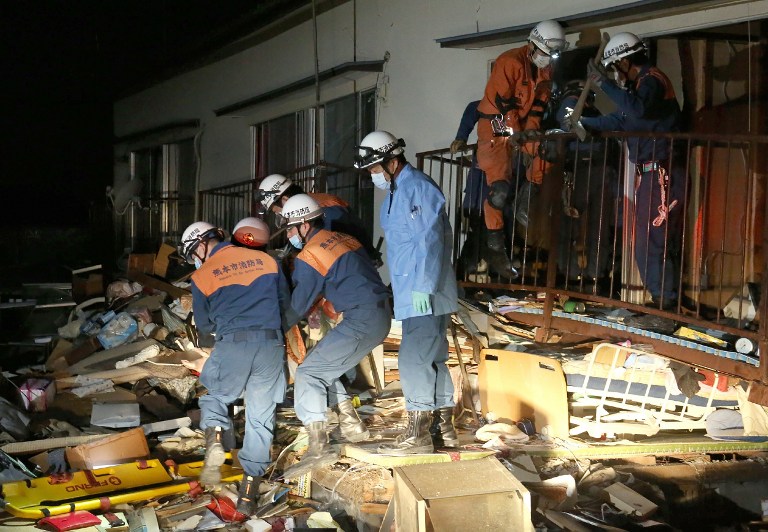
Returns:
<point x="574" y="306"/>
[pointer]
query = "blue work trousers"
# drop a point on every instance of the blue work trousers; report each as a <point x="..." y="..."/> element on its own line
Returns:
<point x="421" y="361"/>
<point x="657" y="247"/>
<point x="317" y="383"/>
<point x="252" y="362"/>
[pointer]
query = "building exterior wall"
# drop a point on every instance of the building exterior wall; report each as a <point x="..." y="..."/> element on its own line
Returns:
<point x="422" y="92"/>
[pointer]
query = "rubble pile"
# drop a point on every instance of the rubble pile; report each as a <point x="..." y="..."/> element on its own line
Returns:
<point x="100" y="432"/>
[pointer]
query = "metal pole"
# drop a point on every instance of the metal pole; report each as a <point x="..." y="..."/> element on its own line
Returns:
<point x="464" y="374"/>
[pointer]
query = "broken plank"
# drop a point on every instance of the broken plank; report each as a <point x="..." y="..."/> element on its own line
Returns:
<point x="157" y="284"/>
<point x="629" y="501"/>
<point x="370" y="456"/>
<point x="105" y="360"/>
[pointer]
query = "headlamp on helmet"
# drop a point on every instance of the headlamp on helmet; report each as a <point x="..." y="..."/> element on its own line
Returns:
<point x="549" y="37"/>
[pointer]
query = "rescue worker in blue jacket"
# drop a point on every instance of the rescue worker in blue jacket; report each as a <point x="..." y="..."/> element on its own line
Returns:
<point x="646" y="102"/>
<point x="334" y="266"/>
<point x="241" y="296"/>
<point x="419" y="244"/>
<point x="475" y="193"/>
<point x="589" y="192"/>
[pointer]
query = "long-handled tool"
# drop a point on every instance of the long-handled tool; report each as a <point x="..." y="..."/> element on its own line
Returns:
<point x="579" y="108"/>
<point x="464" y="374"/>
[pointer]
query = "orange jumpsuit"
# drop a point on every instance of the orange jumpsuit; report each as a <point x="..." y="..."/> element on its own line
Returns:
<point x="514" y="92"/>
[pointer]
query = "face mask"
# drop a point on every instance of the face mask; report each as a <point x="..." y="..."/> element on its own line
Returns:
<point x="296" y="242"/>
<point x="380" y="181"/>
<point x="541" y="60"/>
<point x="198" y="263"/>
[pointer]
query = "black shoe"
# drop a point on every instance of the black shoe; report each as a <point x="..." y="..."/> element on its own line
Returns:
<point x="500" y="264"/>
<point x="667" y="304"/>
<point x="248" y="495"/>
<point x="416" y="439"/>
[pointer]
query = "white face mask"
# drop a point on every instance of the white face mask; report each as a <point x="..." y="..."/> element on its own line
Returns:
<point x="380" y="181"/>
<point x="198" y="263"/>
<point x="541" y="60"/>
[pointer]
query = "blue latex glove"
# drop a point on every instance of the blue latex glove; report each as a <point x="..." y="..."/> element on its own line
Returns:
<point x="421" y="302"/>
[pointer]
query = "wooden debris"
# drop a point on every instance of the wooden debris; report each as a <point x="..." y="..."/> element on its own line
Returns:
<point x="629" y="501"/>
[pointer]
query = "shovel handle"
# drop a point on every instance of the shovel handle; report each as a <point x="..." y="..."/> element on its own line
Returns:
<point x="579" y="109"/>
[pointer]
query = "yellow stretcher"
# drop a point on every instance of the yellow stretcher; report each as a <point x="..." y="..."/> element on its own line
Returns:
<point x="102" y="488"/>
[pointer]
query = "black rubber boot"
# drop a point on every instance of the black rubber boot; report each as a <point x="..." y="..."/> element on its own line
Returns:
<point x="498" y="260"/>
<point x="214" y="456"/>
<point x="350" y="428"/>
<point x="248" y="495"/>
<point x="442" y="429"/>
<point x="416" y="439"/>
<point x="228" y="439"/>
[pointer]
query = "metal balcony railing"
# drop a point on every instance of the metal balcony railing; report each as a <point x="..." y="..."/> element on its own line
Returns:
<point x="225" y="205"/>
<point x="575" y="236"/>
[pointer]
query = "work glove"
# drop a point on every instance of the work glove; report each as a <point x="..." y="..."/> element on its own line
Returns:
<point x="458" y="145"/>
<point x="421" y="302"/>
<point x="687" y="379"/>
<point x="526" y="135"/>
<point x="57" y="462"/>
<point x="570" y="122"/>
<point x="596" y="73"/>
<point x="548" y="148"/>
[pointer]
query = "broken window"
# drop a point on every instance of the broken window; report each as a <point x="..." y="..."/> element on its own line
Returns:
<point x="167" y="206"/>
<point x="286" y="143"/>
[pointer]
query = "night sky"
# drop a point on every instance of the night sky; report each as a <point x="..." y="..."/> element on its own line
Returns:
<point x="63" y="64"/>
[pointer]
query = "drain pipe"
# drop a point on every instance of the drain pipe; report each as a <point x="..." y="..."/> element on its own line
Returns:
<point x="317" y="84"/>
<point x="198" y="164"/>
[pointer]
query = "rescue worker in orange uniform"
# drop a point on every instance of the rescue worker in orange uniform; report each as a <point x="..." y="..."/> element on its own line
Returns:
<point x="331" y="265"/>
<point x="242" y="296"/>
<point x="515" y="99"/>
<point x="276" y="189"/>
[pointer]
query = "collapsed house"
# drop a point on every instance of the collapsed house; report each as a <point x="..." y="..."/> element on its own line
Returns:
<point x="578" y="406"/>
<point x="560" y="435"/>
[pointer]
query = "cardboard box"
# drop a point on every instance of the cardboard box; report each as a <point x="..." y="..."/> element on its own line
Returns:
<point x="141" y="262"/>
<point x="463" y="495"/>
<point x="87" y="283"/>
<point x="161" y="260"/>
<point x="116" y="449"/>
<point x="517" y="386"/>
<point x="612" y="354"/>
<point x="37" y="394"/>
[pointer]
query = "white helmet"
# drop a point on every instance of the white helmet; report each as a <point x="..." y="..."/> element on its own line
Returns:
<point x="271" y="188"/>
<point x="376" y="147"/>
<point x="251" y="232"/>
<point x="549" y="37"/>
<point x="621" y="45"/>
<point x="299" y="209"/>
<point x="193" y="236"/>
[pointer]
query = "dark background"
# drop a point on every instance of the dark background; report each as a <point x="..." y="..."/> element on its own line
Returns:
<point x="63" y="65"/>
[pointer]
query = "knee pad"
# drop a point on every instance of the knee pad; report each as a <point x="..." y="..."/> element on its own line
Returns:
<point x="498" y="194"/>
